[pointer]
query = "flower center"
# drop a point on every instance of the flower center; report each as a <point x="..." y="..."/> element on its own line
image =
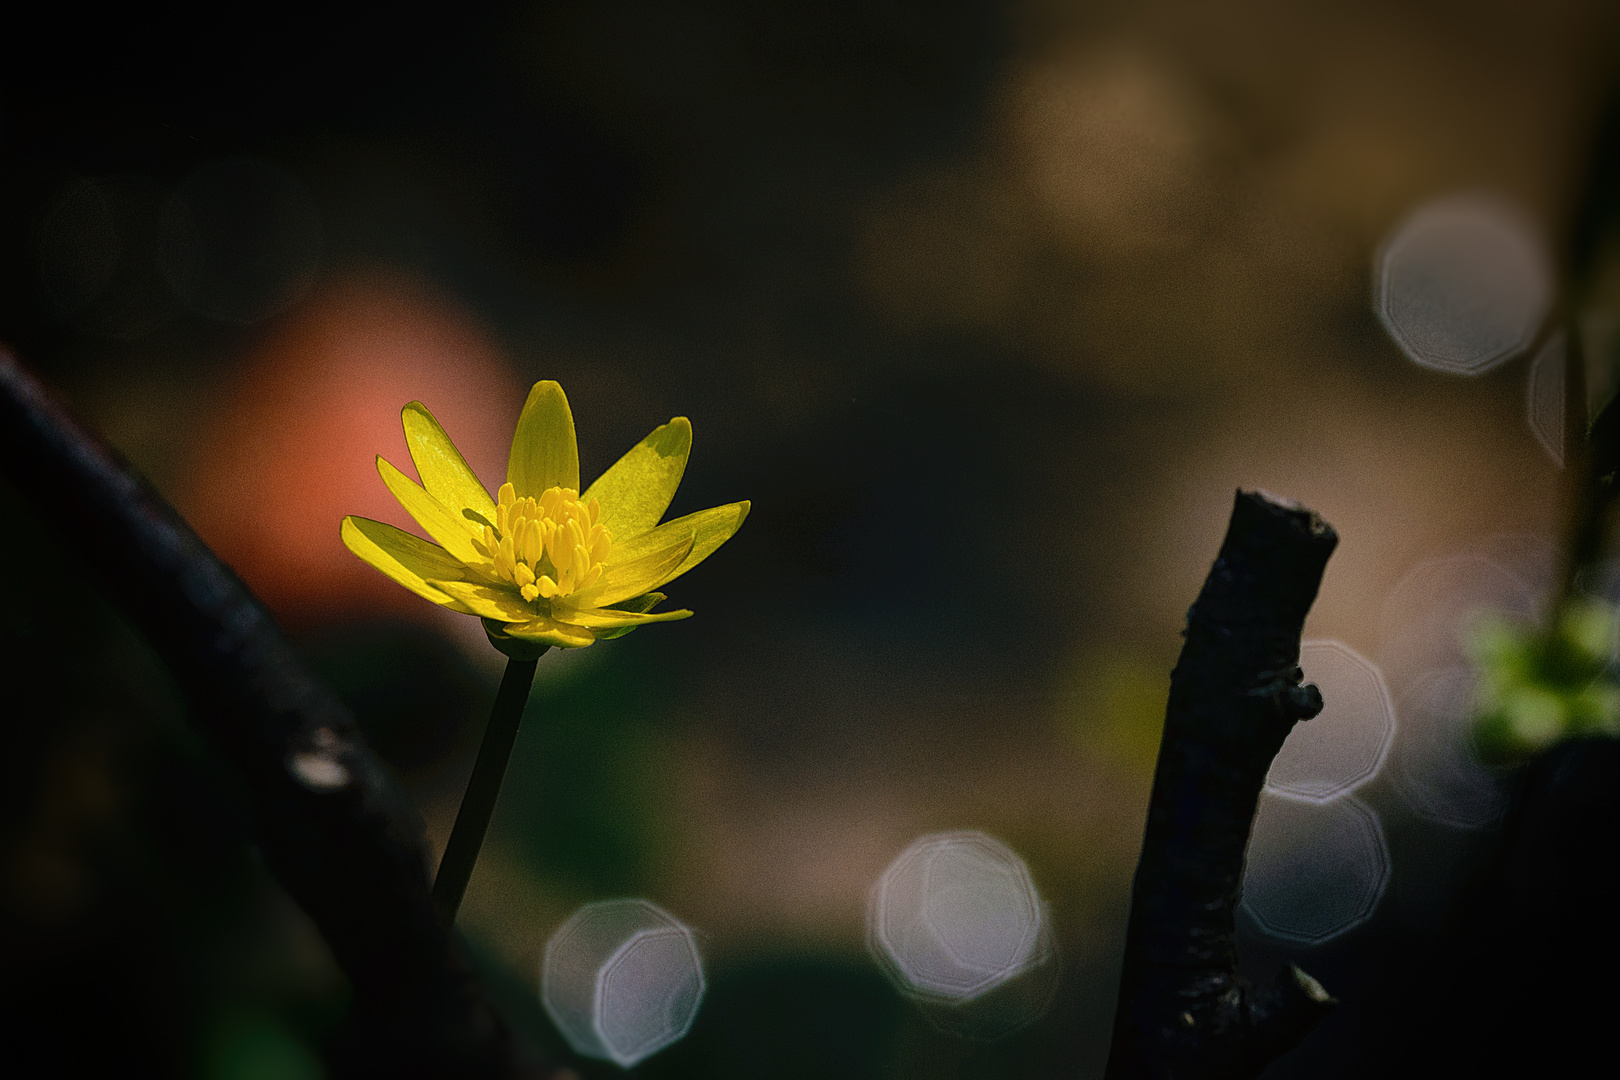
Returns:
<point x="550" y="546"/>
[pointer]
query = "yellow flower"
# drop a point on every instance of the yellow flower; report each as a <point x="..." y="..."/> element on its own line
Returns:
<point x="541" y="563"/>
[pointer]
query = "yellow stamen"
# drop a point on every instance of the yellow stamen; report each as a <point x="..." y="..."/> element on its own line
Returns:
<point x="547" y="547"/>
<point x="533" y="546"/>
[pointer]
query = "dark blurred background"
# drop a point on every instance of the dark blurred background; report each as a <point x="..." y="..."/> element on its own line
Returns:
<point x="988" y="307"/>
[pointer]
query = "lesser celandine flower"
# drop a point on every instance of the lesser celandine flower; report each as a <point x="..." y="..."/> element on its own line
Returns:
<point x="542" y="562"/>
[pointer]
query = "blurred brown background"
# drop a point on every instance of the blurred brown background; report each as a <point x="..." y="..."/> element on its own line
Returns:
<point x="988" y="307"/>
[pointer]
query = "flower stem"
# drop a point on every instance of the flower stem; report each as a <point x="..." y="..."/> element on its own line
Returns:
<point x="472" y="820"/>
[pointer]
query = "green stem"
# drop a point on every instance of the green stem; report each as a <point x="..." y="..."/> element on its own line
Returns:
<point x="472" y="820"/>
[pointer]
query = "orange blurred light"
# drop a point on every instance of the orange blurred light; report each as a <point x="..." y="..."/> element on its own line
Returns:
<point x="293" y="447"/>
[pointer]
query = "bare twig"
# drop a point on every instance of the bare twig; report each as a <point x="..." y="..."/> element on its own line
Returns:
<point x="333" y="825"/>
<point x="1234" y="695"/>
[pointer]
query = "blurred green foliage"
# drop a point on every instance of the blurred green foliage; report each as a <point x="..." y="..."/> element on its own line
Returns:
<point x="584" y="796"/>
<point x="1112" y="706"/>
<point x="256" y="1046"/>
<point x="1540" y="686"/>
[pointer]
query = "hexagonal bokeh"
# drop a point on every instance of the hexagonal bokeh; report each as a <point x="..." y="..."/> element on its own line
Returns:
<point x="622" y="979"/>
<point x="1429" y="613"/>
<point x="957" y="925"/>
<point x="1313" y="869"/>
<point x="1345" y="745"/>
<point x="1544" y="397"/>
<point x="1437" y="771"/>
<point x="1464" y="283"/>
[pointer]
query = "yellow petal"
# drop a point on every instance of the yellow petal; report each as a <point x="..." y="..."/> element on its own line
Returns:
<point x="708" y="528"/>
<point x="634" y="572"/>
<point x="636" y="491"/>
<point x="711" y="528"/>
<point x="550" y="632"/>
<point x="409" y="560"/>
<point x="642" y="603"/>
<point x="444" y="472"/>
<point x="609" y="618"/>
<point x="502" y="605"/>
<point x="544" y="453"/>
<point x="454" y="533"/>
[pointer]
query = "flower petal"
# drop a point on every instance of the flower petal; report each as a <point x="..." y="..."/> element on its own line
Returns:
<point x="409" y="560"/>
<point x="550" y="632"/>
<point x="644" y="602"/>
<point x="636" y="605"/>
<point x="638" y="488"/>
<point x="488" y="601"/>
<point x="453" y="532"/>
<point x="444" y="472"/>
<point x="611" y="618"/>
<point x="633" y="572"/>
<point x="710" y="528"/>
<point x="544" y="453"/>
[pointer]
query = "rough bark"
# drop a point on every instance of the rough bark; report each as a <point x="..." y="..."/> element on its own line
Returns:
<point x="1234" y="696"/>
<point x="332" y="824"/>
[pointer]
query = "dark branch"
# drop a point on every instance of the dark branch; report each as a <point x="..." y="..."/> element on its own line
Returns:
<point x="333" y="826"/>
<point x="1234" y="695"/>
